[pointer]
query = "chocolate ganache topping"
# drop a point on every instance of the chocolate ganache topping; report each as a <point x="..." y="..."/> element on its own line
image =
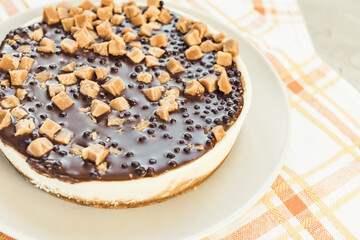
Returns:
<point x="102" y="116"/>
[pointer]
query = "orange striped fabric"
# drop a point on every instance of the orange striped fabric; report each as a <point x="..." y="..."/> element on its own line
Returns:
<point x="316" y="195"/>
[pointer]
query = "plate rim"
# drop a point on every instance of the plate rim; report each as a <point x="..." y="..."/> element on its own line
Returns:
<point x="200" y="15"/>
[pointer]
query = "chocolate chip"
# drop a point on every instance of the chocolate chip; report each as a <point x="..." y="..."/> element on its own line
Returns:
<point x="150" y="171"/>
<point x="62" y="114"/>
<point x="129" y="154"/>
<point x="152" y="161"/>
<point x="187" y="136"/>
<point x="172" y="164"/>
<point x="142" y="139"/>
<point x="141" y="171"/>
<point x="124" y="165"/>
<point x="186" y="149"/>
<point x="135" y="164"/>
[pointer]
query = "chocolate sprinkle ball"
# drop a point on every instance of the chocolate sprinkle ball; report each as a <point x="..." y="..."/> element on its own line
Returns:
<point x="162" y="146"/>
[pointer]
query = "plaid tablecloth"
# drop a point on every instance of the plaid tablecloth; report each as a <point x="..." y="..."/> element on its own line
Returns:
<point x="316" y="195"/>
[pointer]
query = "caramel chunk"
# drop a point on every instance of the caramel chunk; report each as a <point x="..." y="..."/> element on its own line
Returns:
<point x="202" y="28"/>
<point x="95" y="153"/>
<point x="159" y="40"/>
<point x="43" y="76"/>
<point x="49" y="128"/>
<point x="163" y="113"/>
<point x="18" y="77"/>
<point x="183" y="25"/>
<point x="67" y="24"/>
<point x="132" y="11"/>
<point x="24" y="126"/>
<point x="152" y="13"/>
<point x="89" y="88"/>
<point x="156" y="52"/>
<point x="135" y="55"/>
<point x="55" y="89"/>
<point x="145" y="30"/>
<point x="104" y="30"/>
<point x="10" y="102"/>
<point x="224" y="84"/>
<point x="83" y="21"/>
<point x="192" y="37"/>
<point x="37" y="35"/>
<point x="117" y="46"/>
<point x="151" y="61"/>
<point x="69" y="67"/>
<point x="50" y="15"/>
<point x="155" y="25"/>
<point x="83" y="38"/>
<point x="194" y="88"/>
<point x="170" y="103"/>
<point x="46" y="45"/>
<point x="154" y="93"/>
<point x="129" y="36"/>
<point x="219" y="37"/>
<point x="5" y="82"/>
<point x="107" y="2"/>
<point x="119" y="104"/>
<point x="114" y="121"/>
<point x="126" y="30"/>
<point x="218" y="68"/>
<point x="174" y="66"/>
<point x="64" y="4"/>
<point x="164" y="16"/>
<point x="209" y="82"/>
<point x="9" y="62"/>
<point x="155" y="3"/>
<point x="104" y="13"/>
<point x="62" y="101"/>
<point x="101" y="48"/>
<point x="138" y="20"/>
<point x="99" y="108"/>
<point x="207" y="46"/>
<point x="39" y="147"/>
<point x="231" y="46"/>
<point x="118" y="8"/>
<point x="101" y="73"/>
<point x="21" y="93"/>
<point x="117" y="19"/>
<point x="62" y="13"/>
<point x="76" y="149"/>
<point x="25" y="49"/>
<point x="218" y="132"/>
<point x="174" y="91"/>
<point x="193" y="53"/>
<point x="164" y="77"/>
<point x="26" y="63"/>
<point x="144" y="77"/>
<point x="85" y="72"/>
<point x="63" y="137"/>
<point x="135" y="44"/>
<point x="115" y="86"/>
<point x="73" y="11"/>
<point x="5" y="119"/>
<point x="223" y="58"/>
<point x="142" y="125"/>
<point x="86" y="5"/>
<point x="19" y="112"/>
<point x="67" y="78"/>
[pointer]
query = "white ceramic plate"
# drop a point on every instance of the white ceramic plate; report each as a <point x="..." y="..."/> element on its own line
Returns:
<point x="256" y="158"/>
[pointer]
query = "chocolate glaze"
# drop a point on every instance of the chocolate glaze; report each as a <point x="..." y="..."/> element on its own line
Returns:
<point x="161" y="147"/>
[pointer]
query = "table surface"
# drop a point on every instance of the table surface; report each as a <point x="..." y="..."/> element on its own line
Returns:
<point x="334" y="29"/>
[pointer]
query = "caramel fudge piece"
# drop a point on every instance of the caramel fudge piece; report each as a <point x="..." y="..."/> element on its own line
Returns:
<point x="132" y="11"/>
<point x="50" y="15"/>
<point x="46" y="45"/>
<point x="86" y="5"/>
<point x="89" y="88"/>
<point x="202" y="28"/>
<point x="62" y="101"/>
<point x="104" y="13"/>
<point x="219" y="37"/>
<point x="155" y="3"/>
<point x="104" y="30"/>
<point x="107" y="2"/>
<point x="224" y="84"/>
<point x="115" y="86"/>
<point x="164" y="77"/>
<point x="63" y="137"/>
<point x="25" y="49"/>
<point x="164" y="16"/>
<point x="135" y="55"/>
<point x="142" y="125"/>
<point x="26" y="63"/>
<point x="67" y="78"/>
<point x="154" y="93"/>
<point x="192" y="37"/>
<point x="83" y="20"/>
<point x="101" y="73"/>
<point x="194" y="88"/>
<point x="138" y="20"/>
<point x="183" y="25"/>
<point x="156" y="52"/>
<point x="174" y="91"/>
<point x="159" y="40"/>
<point x="5" y="119"/>
<point x="218" y="132"/>
<point x="174" y="66"/>
<point x="209" y="82"/>
<point x="114" y="121"/>
<point x="18" y="77"/>
<point x="231" y="46"/>
<point x="9" y="62"/>
<point x="85" y="72"/>
<point x="207" y="46"/>
<point x="223" y="58"/>
<point x="62" y="13"/>
<point x="101" y="48"/>
<point x="152" y="13"/>
<point x="37" y="35"/>
<point x="76" y="149"/>
<point x="144" y="77"/>
<point x="21" y="93"/>
<point x="151" y="61"/>
<point x="163" y="113"/>
<point x="69" y="45"/>
<point x="67" y="24"/>
<point x="19" y="112"/>
<point x="145" y="30"/>
<point x="193" y="53"/>
<point x="99" y="108"/>
<point x="43" y="76"/>
<point x="117" y="46"/>
<point x="24" y="126"/>
<point x="95" y="153"/>
<point x="83" y="37"/>
<point x="119" y="104"/>
<point x="55" y="89"/>
<point x="39" y="147"/>
<point x="49" y="128"/>
<point x="10" y="102"/>
<point x="116" y="19"/>
<point x="69" y="67"/>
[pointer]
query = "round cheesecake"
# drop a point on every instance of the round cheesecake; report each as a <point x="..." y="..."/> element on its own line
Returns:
<point x="119" y="105"/>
